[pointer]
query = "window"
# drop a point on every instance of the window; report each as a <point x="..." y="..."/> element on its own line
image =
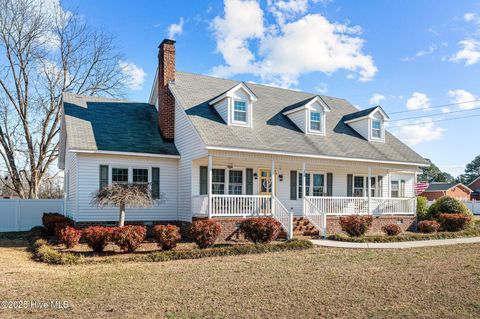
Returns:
<point x="318" y="184"/>
<point x="373" y="186"/>
<point x="240" y="111"/>
<point x="235" y="182"/>
<point x="140" y="176"/>
<point x="315" y="124"/>
<point x="395" y="189"/>
<point x="218" y="181"/>
<point x="314" y="182"/>
<point x="119" y="175"/>
<point x="358" y="186"/>
<point x="376" y="129"/>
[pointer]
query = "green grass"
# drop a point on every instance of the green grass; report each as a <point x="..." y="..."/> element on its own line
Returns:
<point x="14" y="235"/>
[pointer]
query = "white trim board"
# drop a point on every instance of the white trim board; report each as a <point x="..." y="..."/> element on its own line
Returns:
<point x="123" y="153"/>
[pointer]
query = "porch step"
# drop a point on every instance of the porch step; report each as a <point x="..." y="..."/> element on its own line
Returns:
<point x="303" y="228"/>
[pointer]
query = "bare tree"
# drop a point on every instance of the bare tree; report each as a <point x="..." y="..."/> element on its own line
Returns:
<point x="121" y="196"/>
<point x="45" y="51"/>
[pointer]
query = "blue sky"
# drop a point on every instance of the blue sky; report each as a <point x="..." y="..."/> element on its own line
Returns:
<point x="404" y="55"/>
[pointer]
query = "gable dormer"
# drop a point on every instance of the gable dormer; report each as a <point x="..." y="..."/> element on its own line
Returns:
<point x="236" y="105"/>
<point x="369" y="123"/>
<point x="309" y="115"/>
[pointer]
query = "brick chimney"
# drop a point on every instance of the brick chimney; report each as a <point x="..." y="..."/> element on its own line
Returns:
<point x="166" y="101"/>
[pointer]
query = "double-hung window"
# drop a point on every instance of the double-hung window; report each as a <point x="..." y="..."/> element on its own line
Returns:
<point x="358" y="186"/>
<point x="119" y="175"/>
<point x="315" y="122"/>
<point x="140" y="176"/>
<point x="373" y="186"/>
<point x="318" y="184"/>
<point x="218" y="181"/>
<point x="240" y="111"/>
<point x="235" y="182"/>
<point x="376" y="129"/>
<point x="398" y="188"/>
<point x="314" y="184"/>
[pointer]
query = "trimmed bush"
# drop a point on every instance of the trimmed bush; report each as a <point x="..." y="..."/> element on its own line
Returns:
<point x="53" y="222"/>
<point x="391" y="229"/>
<point x="97" y="237"/>
<point x="355" y="225"/>
<point x="43" y="252"/>
<point x="166" y="236"/>
<point x="205" y="232"/>
<point x="428" y="226"/>
<point x="260" y="230"/>
<point x="422" y="208"/>
<point x="69" y="236"/>
<point x="129" y="238"/>
<point x="447" y="205"/>
<point x="454" y="222"/>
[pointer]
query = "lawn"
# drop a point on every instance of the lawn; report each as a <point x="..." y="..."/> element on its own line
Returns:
<point x="438" y="282"/>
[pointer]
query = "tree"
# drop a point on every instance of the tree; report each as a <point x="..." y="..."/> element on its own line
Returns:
<point x="122" y="196"/>
<point x="45" y="51"/>
<point x="433" y="174"/>
<point x="472" y="170"/>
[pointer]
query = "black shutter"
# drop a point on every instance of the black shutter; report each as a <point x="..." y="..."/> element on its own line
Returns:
<point x="293" y="185"/>
<point x="203" y="180"/>
<point x="402" y="188"/>
<point x="103" y="176"/>
<point x="155" y="183"/>
<point x="249" y="180"/>
<point x="380" y="186"/>
<point x="349" y="185"/>
<point x="329" y="184"/>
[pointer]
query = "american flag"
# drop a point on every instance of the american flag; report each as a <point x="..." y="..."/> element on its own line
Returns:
<point x="420" y="187"/>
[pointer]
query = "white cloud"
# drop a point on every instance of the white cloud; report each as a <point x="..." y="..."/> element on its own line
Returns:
<point x="175" y="29"/>
<point x="418" y="101"/>
<point x="420" y="132"/>
<point x="287" y="50"/>
<point x="470" y="52"/>
<point x="135" y="76"/>
<point x="464" y="99"/>
<point x="322" y="88"/>
<point x="469" y="17"/>
<point x="285" y="10"/>
<point x="376" y="99"/>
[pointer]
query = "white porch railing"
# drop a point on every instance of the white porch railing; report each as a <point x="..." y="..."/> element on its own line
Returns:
<point x="283" y="216"/>
<point x="315" y="216"/>
<point x="364" y="205"/>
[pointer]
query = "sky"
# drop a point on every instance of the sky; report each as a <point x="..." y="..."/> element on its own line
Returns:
<point x="410" y="57"/>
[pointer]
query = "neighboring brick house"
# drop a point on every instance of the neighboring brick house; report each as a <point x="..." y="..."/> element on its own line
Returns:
<point x="437" y="190"/>
<point x="475" y="187"/>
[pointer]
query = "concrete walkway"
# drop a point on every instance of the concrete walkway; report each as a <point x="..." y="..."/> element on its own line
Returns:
<point x="397" y="245"/>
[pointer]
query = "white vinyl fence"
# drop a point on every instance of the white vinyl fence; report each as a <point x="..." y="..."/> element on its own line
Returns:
<point x="473" y="205"/>
<point x="23" y="214"/>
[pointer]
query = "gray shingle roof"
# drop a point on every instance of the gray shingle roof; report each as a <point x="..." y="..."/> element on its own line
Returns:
<point x="359" y="114"/>
<point x="436" y="187"/>
<point x="272" y="130"/>
<point x="96" y="123"/>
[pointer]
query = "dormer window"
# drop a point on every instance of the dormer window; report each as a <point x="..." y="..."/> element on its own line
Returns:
<point x="376" y="129"/>
<point x="240" y="111"/>
<point x="315" y="121"/>
<point x="369" y="123"/>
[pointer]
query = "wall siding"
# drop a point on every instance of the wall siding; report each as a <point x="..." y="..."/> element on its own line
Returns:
<point x="222" y="109"/>
<point x="71" y="168"/>
<point x="362" y="127"/>
<point x="299" y="119"/>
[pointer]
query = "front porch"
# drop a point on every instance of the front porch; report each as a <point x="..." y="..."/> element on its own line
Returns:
<point x="241" y="185"/>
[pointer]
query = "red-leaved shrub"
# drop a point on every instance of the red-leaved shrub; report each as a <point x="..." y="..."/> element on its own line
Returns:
<point x="69" y="236"/>
<point x="205" y="232"/>
<point x="260" y="230"/>
<point x="129" y="238"/>
<point x="97" y="237"/>
<point x="54" y="222"/>
<point x="355" y="225"/>
<point x="454" y="222"/>
<point x="166" y="236"/>
<point x="392" y="229"/>
<point x="428" y="226"/>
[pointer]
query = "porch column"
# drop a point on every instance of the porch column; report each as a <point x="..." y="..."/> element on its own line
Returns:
<point x="272" y="185"/>
<point x="369" y="188"/>
<point x="389" y="185"/>
<point x="209" y="186"/>
<point x="304" y="170"/>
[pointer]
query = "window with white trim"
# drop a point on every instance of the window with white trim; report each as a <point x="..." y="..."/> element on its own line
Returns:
<point x="373" y="186"/>
<point x="119" y="175"/>
<point x="397" y="189"/>
<point x="376" y="129"/>
<point x="315" y="121"/>
<point x="358" y="186"/>
<point x="218" y="181"/>
<point x="314" y="184"/>
<point x="140" y="176"/>
<point x="235" y="182"/>
<point x="240" y="111"/>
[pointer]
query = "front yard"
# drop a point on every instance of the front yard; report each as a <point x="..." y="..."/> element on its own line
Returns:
<point x="438" y="282"/>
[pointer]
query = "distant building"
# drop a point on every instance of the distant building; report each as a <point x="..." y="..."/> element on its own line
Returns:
<point x="437" y="190"/>
<point x="475" y="187"/>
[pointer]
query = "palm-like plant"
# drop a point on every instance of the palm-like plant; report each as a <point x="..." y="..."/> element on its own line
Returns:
<point x="122" y="196"/>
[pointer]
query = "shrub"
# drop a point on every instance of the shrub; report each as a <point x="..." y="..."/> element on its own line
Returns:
<point x="355" y="225"/>
<point x="392" y="229"/>
<point x="166" y="236"/>
<point x="97" y="237"/>
<point x="69" y="236"/>
<point x="447" y="205"/>
<point x="53" y="222"/>
<point x="205" y="232"/>
<point x="422" y="208"/>
<point x="45" y="253"/>
<point x="428" y="226"/>
<point x="260" y="230"/>
<point x="129" y="238"/>
<point x="454" y="222"/>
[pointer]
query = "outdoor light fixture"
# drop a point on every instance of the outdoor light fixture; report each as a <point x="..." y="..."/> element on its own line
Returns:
<point x="280" y="177"/>
<point x="255" y="175"/>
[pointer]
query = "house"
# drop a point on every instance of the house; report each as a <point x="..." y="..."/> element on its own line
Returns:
<point x="475" y="187"/>
<point x="218" y="148"/>
<point x="437" y="190"/>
